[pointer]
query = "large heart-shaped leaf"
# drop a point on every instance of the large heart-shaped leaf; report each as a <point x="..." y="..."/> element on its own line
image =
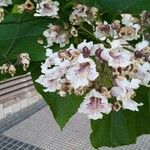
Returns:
<point x="120" y="6"/>
<point x="118" y="128"/>
<point x="19" y="33"/>
<point x="62" y="108"/>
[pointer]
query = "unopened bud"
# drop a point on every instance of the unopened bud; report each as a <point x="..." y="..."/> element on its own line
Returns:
<point x="27" y="6"/>
<point x="117" y="106"/>
<point x="4" y="68"/>
<point x="1" y="14"/>
<point x="74" y="32"/>
<point x="12" y="70"/>
<point x="24" y="59"/>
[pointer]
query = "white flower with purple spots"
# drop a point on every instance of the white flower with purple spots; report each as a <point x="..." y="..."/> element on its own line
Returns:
<point x="95" y="105"/>
<point x="86" y="48"/>
<point x="47" y="8"/>
<point x="82" y="71"/>
<point x="124" y="90"/>
<point x="141" y="45"/>
<point x="143" y="73"/>
<point x="117" y="56"/>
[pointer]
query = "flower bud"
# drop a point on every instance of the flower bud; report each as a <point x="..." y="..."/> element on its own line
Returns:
<point x="11" y="70"/>
<point x="4" y="68"/>
<point x="74" y="32"/>
<point x="27" y="6"/>
<point x="117" y="106"/>
<point x="1" y="14"/>
<point x="24" y="59"/>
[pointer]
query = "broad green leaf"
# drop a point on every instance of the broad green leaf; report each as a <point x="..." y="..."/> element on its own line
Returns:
<point x="143" y="117"/>
<point x="62" y="108"/>
<point x="120" y="6"/>
<point x="18" y="1"/>
<point x="20" y="33"/>
<point x="118" y="128"/>
<point x="143" y="95"/>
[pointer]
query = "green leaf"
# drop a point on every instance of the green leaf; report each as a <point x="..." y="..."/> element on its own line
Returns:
<point x="19" y="33"/>
<point x="122" y="128"/>
<point x="143" y="117"/>
<point x="118" y="128"/>
<point x="18" y="1"/>
<point x="62" y="108"/>
<point x="120" y="6"/>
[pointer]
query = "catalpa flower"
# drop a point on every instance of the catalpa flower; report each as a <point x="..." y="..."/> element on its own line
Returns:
<point x="130" y="33"/>
<point x="5" y="3"/>
<point x="143" y="73"/>
<point x="103" y="30"/>
<point x="86" y="48"/>
<point x="52" y="59"/>
<point x="145" y="17"/>
<point x="124" y="92"/>
<point x="117" y="56"/>
<point x="47" y="8"/>
<point x="51" y="79"/>
<point x="89" y="48"/>
<point x="82" y="71"/>
<point x="141" y="45"/>
<point x="50" y="84"/>
<point x="142" y="50"/>
<point x="131" y="29"/>
<point x="128" y="19"/>
<point x="95" y="105"/>
<point x="125" y="96"/>
<point x="83" y="13"/>
<point x="55" y="35"/>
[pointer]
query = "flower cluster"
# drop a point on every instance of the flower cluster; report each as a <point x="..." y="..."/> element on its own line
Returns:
<point x="81" y="69"/>
<point x="118" y="51"/>
<point x="9" y="68"/>
<point x="83" y="13"/>
<point x="67" y="72"/>
<point x="129" y="31"/>
<point x="74" y="71"/>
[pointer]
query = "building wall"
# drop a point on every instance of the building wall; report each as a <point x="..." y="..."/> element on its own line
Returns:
<point x="16" y="94"/>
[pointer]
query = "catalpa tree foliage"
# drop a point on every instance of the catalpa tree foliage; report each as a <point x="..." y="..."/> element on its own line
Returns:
<point x="86" y="56"/>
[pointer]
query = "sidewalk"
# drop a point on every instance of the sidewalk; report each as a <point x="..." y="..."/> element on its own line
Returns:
<point x="39" y="131"/>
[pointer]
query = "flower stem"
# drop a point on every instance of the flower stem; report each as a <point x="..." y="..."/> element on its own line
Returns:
<point x="89" y="33"/>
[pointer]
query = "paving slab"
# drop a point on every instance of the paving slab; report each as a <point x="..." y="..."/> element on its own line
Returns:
<point x="41" y="130"/>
